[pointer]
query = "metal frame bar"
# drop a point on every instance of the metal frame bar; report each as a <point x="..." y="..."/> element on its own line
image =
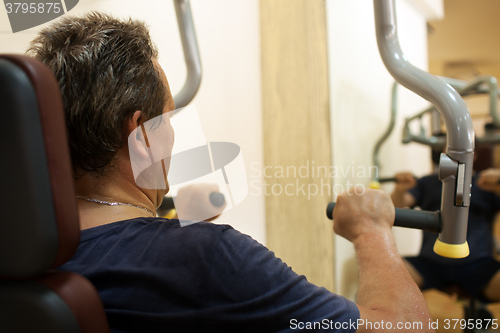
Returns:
<point x="388" y="131"/>
<point x="484" y="84"/>
<point x="480" y="85"/>
<point x="191" y="54"/>
<point x="455" y="168"/>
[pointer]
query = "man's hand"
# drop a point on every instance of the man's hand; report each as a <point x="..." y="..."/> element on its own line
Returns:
<point x="405" y="181"/>
<point x="489" y="181"/>
<point x="358" y="214"/>
<point x="193" y="203"/>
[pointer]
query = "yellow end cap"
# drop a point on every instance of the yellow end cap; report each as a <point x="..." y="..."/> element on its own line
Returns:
<point x="455" y="251"/>
<point x="171" y="214"/>
<point x="375" y="185"/>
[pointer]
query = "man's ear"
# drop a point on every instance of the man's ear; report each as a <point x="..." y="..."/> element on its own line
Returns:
<point x="136" y="140"/>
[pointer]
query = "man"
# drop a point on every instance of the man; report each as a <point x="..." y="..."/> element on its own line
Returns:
<point x="478" y="274"/>
<point x="154" y="275"/>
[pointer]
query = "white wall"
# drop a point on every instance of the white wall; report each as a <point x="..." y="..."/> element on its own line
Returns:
<point x="229" y="100"/>
<point x="360" y="109"/>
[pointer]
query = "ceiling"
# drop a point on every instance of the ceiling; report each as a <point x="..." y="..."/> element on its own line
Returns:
<point x="467" y="41"/>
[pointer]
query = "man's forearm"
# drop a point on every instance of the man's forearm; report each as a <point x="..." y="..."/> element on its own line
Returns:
<point x="386" y="289"/>
<point x="399" y="199"/>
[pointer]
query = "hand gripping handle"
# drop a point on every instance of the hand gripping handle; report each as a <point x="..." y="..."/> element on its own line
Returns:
<point x="408" y="218"/>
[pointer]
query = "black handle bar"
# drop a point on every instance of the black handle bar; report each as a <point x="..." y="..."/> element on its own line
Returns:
<point x="390" y="179"/>
<point x="387" y="180"/>
<point x="408" y="218"/>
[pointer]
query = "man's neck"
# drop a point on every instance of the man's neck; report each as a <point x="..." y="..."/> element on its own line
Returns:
<point x="111" y="187"/>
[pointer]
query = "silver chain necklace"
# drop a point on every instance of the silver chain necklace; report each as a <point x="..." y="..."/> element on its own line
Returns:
<point x="109" y="203"/>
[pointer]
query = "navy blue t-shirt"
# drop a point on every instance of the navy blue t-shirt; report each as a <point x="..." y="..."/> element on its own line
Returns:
<point x="483" y="208"/>
<point x="155" y="276"/>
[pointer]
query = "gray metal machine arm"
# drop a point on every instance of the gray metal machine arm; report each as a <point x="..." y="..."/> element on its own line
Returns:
<point x="388" y="131"/>
<point x="191" y="54"/>
<point x="455" y="167"/>
<point x="485" y="84"/>
<point x="480" y="85"/>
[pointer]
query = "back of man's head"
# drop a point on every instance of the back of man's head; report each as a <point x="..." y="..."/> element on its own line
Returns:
<point x="105" y="70"/>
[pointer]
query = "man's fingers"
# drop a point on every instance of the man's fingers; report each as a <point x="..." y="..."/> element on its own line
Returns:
<point x="361" y="210"/>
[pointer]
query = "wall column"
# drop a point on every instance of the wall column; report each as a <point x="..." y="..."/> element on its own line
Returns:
<point x="297" y="145"/>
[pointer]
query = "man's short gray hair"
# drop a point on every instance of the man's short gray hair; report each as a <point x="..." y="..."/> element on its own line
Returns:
<point x="105" y="71"/>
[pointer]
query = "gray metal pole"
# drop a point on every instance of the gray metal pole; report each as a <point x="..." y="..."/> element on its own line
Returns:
<point x="455" y="168"/>
<point x="191" y="54"/>
<point x="388" y="131"/>
<point x="482" y="84"/>
<point x="435" y="122"/>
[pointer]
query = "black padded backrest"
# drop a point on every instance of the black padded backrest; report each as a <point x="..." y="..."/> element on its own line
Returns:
<point x="28" y="229"/>
<point x="44" y="229"/>
<point x="28" y="306"/>
<point x="39" y="227"/>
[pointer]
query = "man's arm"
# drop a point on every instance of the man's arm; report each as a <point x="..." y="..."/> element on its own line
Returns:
<point x="387" y="294"/>
<point x="400" y="196"/>
<point x="489" y="181"/>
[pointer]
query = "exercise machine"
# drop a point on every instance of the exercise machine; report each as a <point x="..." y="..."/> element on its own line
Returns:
<point x="455" y="166"/>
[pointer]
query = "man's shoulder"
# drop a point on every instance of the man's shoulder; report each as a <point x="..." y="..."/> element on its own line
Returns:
<point x="149" y="242"/>
<point x="152" y="224"/>
<point x="158" y="231"/>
